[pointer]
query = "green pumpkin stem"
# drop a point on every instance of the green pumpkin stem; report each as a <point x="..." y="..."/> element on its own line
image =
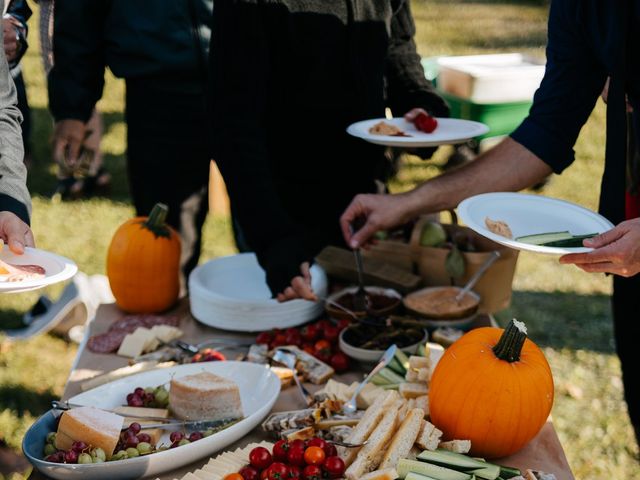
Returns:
<point x="511" y="342"/>
<point x="156" y="220"/>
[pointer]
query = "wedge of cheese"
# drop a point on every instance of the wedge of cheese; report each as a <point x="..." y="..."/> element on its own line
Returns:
<point x="93" y="426"/>
<point x="133" y="414"/>
<point x="166" y="333"/>
<point x="136" y="343"/>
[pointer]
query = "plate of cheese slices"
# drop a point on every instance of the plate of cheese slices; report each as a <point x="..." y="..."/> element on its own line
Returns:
<point x="152" y="422"/>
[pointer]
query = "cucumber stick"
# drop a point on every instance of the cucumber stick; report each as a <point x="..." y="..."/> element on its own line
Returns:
<point x="457" y="461"/>
<point x="509" y="472"/>
<point x="397" y="367"/>
<point x="541" y="238"/>
<point x="379" y="380"/>
<point x="438" y="473"/>
<point x="391" y="376"/>
<point x="402" y="359"/>
<point x="390" y="386"/>
<point x="417" y="476"/>
<point x="573" y="242"/>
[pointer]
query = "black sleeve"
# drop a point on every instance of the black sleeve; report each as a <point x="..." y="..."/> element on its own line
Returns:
<point x="19" y="10"/>
<point x="10" y="204"/>
<point x="407" y="86"/>
<point x="569" y="90"/>
<point x="240" y="84"/>
<point x="77" y="77"/>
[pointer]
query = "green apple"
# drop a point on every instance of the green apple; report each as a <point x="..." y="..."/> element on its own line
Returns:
<point x="432" y="234"/>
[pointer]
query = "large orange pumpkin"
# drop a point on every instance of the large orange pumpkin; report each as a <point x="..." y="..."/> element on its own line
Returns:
<point x="143" y="263"/>
<point x="493" y="387"/>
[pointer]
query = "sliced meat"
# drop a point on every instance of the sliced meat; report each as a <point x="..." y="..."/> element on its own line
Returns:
<point x="108" y="342"/>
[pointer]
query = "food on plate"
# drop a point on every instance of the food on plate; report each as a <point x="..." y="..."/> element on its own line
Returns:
<point x="384" y="128"/>
<point x="11" y="272"/>
<point x="135" y="344"/>
<point x="149" y="397"/>
<point x="498" y="227"/>
<point x="90" y="425"/>
<point x="143" y="263"/>
<point x="296" y="419"/>
<point x="446" y="336"/>
<point x="509" y="374"/>
<point x="456" y="446"/>
<point x="428" y="436"/>
<point x="311" y="368"/>
<point x="404" y="438"/>
<point x="111" y="340"/>
<point x="204" y="396"/>
<point x="425" y="122"/>
<point x="441" y="303"/>
<point x="133" y="414"/>
<point x="413" y="389"/>
<point x="208" y="355"/>
<point x="556" y="239"/>
<point x="341" y="392"/>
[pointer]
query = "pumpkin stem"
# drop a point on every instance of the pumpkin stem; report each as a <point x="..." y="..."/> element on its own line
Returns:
<point x="156" y="220"/>
<point x="511" y="342"/>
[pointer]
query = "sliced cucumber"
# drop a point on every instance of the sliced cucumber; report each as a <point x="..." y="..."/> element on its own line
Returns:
<point x="402" y="359"/>
<point x="509" y="472"/>
<point x="379" y="380"/>
<point x="390" y="386"/>
<point x="488" y="472"/>
<point x="573" y="242"/>
<point x="417" y="476"/>
<point x="422" y="350"/>
<point x="391" y="376"/>
<point x="540" y="238"/>
<point x="438" y="473"/>
<point x="449" y="459"/>
<point x="397" y="367"/>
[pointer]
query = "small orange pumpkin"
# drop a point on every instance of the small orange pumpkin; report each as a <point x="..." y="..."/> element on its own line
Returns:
<point x="143" y="263"/>
<point x="493" y="387"/>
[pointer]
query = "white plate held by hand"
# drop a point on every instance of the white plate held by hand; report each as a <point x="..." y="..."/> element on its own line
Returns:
<point x="449" y="131"/>
<point x="528" y="215"/>
<point x="57" y="269"/>
<point x="259" y="389"/>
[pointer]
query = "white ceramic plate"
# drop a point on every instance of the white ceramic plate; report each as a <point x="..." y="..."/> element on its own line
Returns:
<point x="528" y="215"/>
<point x="259" y="389"/>
<point x="449" y="131"/>
<point x="231" y="293"/>
<point x="57" y="269"/>
<point x="372" y="356"/>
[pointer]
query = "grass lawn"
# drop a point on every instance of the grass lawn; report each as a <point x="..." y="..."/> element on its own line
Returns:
<point x="567" y="311"/>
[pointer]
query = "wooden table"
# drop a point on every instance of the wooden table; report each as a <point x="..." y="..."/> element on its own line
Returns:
<point x="543" y="453"/>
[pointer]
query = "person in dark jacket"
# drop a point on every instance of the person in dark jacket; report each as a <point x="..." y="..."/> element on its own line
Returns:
<point x="160" y="49"/>
<point x="589" y="41"/>
<point x="288" y="78"/>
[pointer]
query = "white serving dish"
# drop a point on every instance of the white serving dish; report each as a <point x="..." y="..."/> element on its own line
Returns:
<point x="231" y="293"/>
<point x="57" y="269"/>
<point x="372" y="356"/>
<point x="259" y="389"/>
<point x="499" y="78"/>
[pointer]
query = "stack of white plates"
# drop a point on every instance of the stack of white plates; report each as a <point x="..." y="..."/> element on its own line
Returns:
<point x="231" y="293"/>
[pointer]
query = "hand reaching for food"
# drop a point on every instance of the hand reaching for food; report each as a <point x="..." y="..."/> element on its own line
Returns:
<point x="616" y="251"/>
<point x="300" y="287"/>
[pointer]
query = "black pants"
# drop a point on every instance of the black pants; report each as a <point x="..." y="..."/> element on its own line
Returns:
<point x="626" y="323"/>
<point x="168" y="157"/>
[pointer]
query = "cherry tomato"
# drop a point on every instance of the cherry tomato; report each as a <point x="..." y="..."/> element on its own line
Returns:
<point x="278" y="341"/>
<point x="280" y="450"/>
<point x="264" y="474"/>
<point x="308" y="347"/>
<point x="340" y="362"/>
<point x="312" y="472"/>
<point x="264" y="338"/>
<point x="260" y="458"/>
<point x="344" y="323"/>
<point x="249" y="473"/>
<point x="323" y="324"/>
<point x="310" y="333"/>
<point x="295" y="456"/>
<point x="317" y="442"/>
<point x="297" y="445"/>
<point x="425" y="122"/>
<point x="233" y="476"/>
<point x="330" y="450"/>
<point x="294" y="471"/>
<point x="323" y="355"/>
<point x="293" y="338"/>
<point x="278" y="471"/>
<point x="334" y="466"/>
<point x="331" y="333"/>
<point x="314" y="456"/>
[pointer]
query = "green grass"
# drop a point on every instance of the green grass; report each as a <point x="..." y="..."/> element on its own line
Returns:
<point x="567" y="311"/>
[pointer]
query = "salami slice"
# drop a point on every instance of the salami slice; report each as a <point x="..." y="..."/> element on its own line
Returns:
<point x="110" y="341"/>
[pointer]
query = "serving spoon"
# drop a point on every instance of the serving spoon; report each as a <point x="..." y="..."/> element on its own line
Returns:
<point x="495" y="255"/>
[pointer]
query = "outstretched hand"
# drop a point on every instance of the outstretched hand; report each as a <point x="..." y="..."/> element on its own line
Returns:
<point x="616" y="251"/>
<point x="15" y="232"/>
<point x="300" y="287"/>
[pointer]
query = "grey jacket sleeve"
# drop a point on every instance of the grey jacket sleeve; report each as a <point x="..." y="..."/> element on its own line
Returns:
<point x="14" y="196"/>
